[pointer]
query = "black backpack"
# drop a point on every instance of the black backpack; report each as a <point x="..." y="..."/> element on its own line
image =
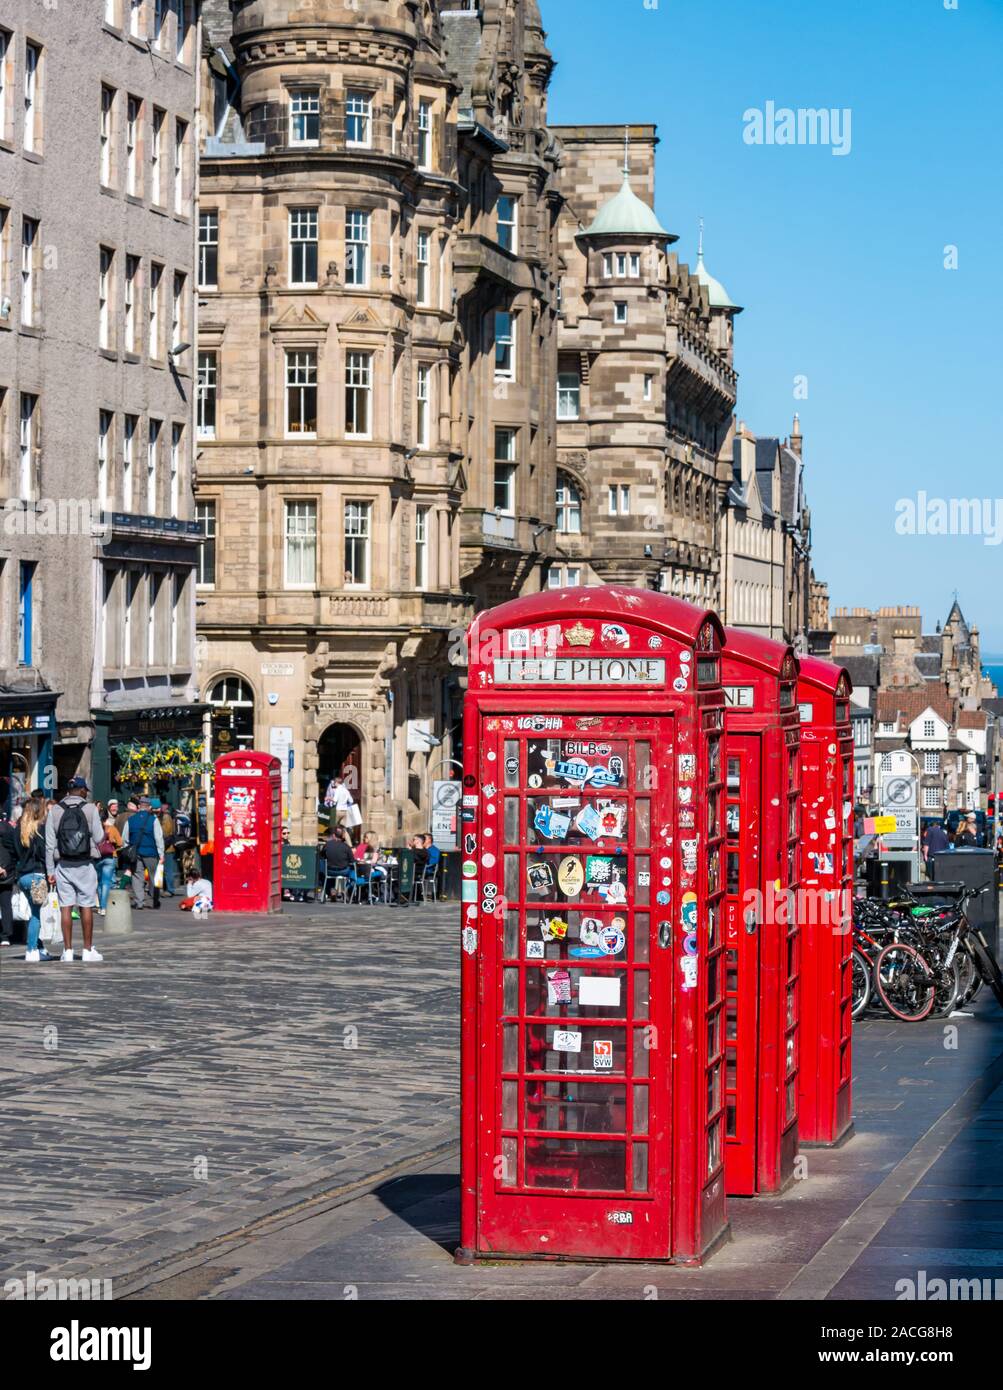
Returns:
<point x="73" y="835"/>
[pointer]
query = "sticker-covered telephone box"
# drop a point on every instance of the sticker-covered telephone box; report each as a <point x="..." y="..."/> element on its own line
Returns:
<point x="591" y="830"/>
<point x="826" y="972"/>
<point x="761" y="923"/>
<point x="247" y="833"/>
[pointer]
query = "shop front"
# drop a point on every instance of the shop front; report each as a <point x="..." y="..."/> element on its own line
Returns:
<point x="150" y="750"/>
<point x="27" y="725"/>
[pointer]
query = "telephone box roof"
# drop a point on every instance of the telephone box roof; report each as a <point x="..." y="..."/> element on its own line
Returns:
<point x="764" y="652"/>
<point x="825" y="675"/>
<point x="680" y="620"/>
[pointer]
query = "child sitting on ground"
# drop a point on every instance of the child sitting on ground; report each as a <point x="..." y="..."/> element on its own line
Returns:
<point x="199" y="894"/>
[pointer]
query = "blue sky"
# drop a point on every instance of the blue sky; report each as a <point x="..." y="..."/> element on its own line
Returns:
<point x="839" y="261"/>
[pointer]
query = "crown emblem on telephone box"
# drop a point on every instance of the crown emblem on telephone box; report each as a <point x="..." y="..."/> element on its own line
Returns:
<point x="579" y="635"/>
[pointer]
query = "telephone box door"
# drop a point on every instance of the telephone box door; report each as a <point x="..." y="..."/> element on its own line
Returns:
<point x="576" y="1153"/>
<point x="743" y="926"/>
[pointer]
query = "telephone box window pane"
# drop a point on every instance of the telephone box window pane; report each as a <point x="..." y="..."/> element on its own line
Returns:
<point x="641" y="931"/>
<point x="707" y="670"/>
<point x="713" y="920"/>
<point x="714" y="1089"/>
<point x="713" y="816"/>
<point x="713" y="760"/>
<point x="511" y="762"/>
<point x="714" y="1035"/>
<point x="642" y="823"/>
<point x="640" y="1166"/>
<point x="510" y="1166"/>
<point x="640" y="1052"/>
<point x="511" y="935"/>
<point x="792" y="1054"/>
<point x="791" y="1006"/>
<point x="510" y="1104"/>
<point x="550" y="1048"/>
<point x="576" y="1107"/>
<point x="642" y="881"/>
<point x="510" y="1047"/>
<point x="644" y="772"/>
<point x="569" y="1164"/>
<point x="731" y="1120"/>
<point x="731" y="1073"/>
<point x="713" y="1147"/>
<point x="510" y="991"/>
<point x="791" y="1107"/>
<point x="732" y="821"/>
<point x="731" y="887"/>
<point x="511" y="820"/>
<point x="731" y="972"/>
<point x="542" y="985"/>
<point x="734" y="774"/>
<point x="792" y="956"/>
<point x="641" y="994"/>
<point x="731" y="1020"/>
<point x="713" y="871"/>
<point x="512" y="878"/>
<point x="640" y="1125"/>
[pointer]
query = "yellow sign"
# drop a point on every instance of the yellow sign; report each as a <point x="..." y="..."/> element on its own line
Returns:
<point x="885" y="825"/>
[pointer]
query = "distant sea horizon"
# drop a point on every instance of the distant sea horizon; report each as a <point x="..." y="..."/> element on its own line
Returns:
<point x="994" y="670"/>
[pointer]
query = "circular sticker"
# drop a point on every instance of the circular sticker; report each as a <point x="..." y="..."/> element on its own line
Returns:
<point x="469" y="869"/>
<point x="654" y="642"/>
<point x="665" y="862"/>
<point x="663" y="899"/>
<point x="488" y="830"/>
<point x="571" y="876"/>
<point x="470" y="780"/>
<point x="679" y="684"/>
<point x="612" y="938"/>
<point x="536" y="780"/>
<point x="488" y="860"/>
<point x="490" y="810"/>
<point x="490" y="890"/>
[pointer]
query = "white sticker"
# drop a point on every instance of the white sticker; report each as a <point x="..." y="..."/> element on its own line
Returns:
<point x="469" y="940"/>
<point x="599" y="990"/>
<point x="534" y="950"/>
<point x="488" y="860"/>
<point x="565" y="1041"/>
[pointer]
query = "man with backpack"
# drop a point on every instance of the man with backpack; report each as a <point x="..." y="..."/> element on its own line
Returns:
<point x="143" y="836"/>
<point x="73" y="838"/>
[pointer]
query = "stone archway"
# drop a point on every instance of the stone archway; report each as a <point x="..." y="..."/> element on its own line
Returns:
<point x="341" y="752"/>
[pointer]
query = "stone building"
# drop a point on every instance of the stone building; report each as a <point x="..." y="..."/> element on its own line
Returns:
<point x="97" y="245"/>
<point x="950" y="657"/>
<point x="646" y="382"/>
<point x="377" y="363"/>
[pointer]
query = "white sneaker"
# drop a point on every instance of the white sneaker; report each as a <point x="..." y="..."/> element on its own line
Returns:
<point x="67" y="955"/>
<point x="91" y="955"/>
<point x="32" y="957"/>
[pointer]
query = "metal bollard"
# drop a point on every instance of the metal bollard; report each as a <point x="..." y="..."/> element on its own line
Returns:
<point x="118" y="913"/>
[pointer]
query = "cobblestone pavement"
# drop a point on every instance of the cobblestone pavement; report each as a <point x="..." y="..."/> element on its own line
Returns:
<point x="331" y="1169"/>
<point x="204" y="1075"/>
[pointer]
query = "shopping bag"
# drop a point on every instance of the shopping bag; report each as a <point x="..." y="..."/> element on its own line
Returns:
<point x="49" y="917"/>
<point x="19" y="906"/>
<point x="158" y="877"/>
<point x="353" y="816"/>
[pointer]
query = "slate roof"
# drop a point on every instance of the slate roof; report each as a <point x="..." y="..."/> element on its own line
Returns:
<point x="864" y="671"/>
<point x="461" y="42"/>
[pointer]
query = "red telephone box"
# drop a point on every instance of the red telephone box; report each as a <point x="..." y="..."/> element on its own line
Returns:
<point x="247" y="833"/>
<point x="591" y="827"/>
<point x="761" y="922"/>
<point x="826" y="971"/>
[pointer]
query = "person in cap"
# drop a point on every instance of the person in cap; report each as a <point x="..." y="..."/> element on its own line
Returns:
<point x="73" y="837"/>
<point x="967" y="836"/>
<point x="143" y="833"/>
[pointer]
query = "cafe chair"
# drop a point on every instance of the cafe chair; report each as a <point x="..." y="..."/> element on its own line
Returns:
<point x="426" y="884"/>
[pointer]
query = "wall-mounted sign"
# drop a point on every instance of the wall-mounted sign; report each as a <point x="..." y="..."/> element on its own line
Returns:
<point x="579" y="670"/>
<point x="277" y="668"/>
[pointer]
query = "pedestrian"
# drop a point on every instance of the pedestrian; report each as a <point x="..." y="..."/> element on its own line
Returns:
<point x="110" y="846"/>
<point x="967" y="836"/>
<point x="420" y="854"/>
<point x="367" y="857"/>
<point x="935" y="841"/>
<point x="32" y="876"/>
<point x="8" y="875"/>
<point x="196" y="888"/>
<point x="337" y="854"/>
<point x="122" y="817"/>
<point x="143" y="835"/>
<point x="169" y="832"/>
<point x="338" y="799"/>
<point x="73" y="836"/>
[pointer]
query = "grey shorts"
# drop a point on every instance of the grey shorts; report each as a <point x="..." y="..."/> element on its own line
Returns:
<point x="76" y="884"/>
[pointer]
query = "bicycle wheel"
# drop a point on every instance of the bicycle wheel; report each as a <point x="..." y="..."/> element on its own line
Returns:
<point x="861" y="983"/>
<point x="987" y="964"/>
<point x="971" y="980"/>
<point x="948" y="989"/>
<point x="905" y="983"/>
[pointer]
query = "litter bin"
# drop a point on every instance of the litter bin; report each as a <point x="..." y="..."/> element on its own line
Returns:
<point x="973" y="868"/>
<point x="450" y="877"/>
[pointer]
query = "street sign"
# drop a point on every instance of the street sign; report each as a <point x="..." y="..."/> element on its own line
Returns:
<point x="445" y="803"/>
<point x="898" y="791"/>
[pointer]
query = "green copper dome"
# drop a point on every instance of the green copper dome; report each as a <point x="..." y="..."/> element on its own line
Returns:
<point x="626" y="215"/>
<point x="717" y="295"/>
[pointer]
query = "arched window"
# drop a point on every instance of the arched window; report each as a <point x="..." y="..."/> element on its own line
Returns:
<point x="569" y="506"/>
<point x="234" y="697"/>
